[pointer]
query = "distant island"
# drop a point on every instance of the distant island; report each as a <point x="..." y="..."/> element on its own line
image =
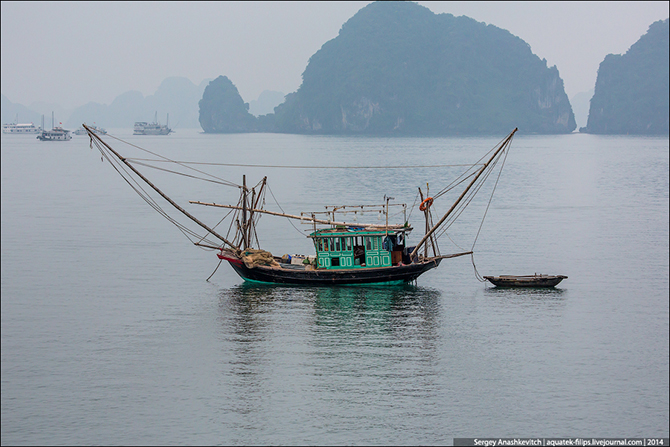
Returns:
<point x="631" y="94"/>
<point x="398" y="68"/>
<point x="222" y="109"/>
<point x="176" y="96"/>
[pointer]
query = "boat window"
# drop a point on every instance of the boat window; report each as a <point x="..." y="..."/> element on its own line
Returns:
<point x="325" y="245"/>
<point x="319" y="245"/>
<point x="368" y="243"/>
<point x="375" y="243"/>
<point x="348" y="243"/>
<point x="332" y="244"/>
<point x="334" y="262"/>
<point x="337" y="244"/>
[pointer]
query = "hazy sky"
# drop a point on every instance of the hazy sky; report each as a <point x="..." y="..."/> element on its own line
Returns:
<point x="73" y="53"/>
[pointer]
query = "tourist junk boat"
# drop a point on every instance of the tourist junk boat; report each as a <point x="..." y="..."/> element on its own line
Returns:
<point x="144" y="128"/>
<point x="347" y="253"/>
<point x="525" y="280"/>
<point x="57" y="133"/>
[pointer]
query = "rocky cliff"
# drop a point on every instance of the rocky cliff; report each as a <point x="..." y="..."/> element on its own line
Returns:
<point x="631" y="94"/>
<point x="222" y="109"/>
<point x="398" y="68"/>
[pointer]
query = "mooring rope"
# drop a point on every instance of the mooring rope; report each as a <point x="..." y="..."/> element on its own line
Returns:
<point x="495" y="185"/>
<point x="217" y="267"/>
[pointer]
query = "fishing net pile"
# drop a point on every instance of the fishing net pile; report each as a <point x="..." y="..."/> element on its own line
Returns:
<point x="253" y="258"/>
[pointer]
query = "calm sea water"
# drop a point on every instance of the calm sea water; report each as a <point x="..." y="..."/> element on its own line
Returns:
<point x="112" y="335"/>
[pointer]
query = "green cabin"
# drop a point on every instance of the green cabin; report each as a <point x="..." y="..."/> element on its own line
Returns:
<point x="346" y="248"/>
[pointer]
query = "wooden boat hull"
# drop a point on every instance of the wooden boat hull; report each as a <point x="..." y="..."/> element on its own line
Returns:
<point x="329" y="277"/>
<point x="526" y="281"/>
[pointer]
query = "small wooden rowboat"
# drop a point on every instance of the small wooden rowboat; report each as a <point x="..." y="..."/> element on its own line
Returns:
<point x="525" y="281"/>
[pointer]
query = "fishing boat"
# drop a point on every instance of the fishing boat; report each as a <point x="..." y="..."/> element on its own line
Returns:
<point x="82" y="131"/>
<point x="57" y="133"/>
<point x="155" y="128"/>
<point x="346" y="252"/>
<point x="536" y="280"/>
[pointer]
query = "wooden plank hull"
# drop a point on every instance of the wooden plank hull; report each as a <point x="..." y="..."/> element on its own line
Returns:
<point x="526" y="281"/>
<point x="330" y="277"/>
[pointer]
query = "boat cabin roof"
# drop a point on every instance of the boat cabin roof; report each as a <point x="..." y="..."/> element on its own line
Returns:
<point x="357" y="231"/>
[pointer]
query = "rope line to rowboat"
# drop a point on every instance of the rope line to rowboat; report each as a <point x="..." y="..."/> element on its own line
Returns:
<point x="479" y="277"/>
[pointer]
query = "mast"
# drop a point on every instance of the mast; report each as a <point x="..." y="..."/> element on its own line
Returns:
<point x="503" y="145"/>
<point x="245" y="242"/>
<point x="93" y="135"/>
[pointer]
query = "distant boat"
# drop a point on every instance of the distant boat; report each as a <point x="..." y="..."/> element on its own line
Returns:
<point x="82" y="131"/>
<point x="525" y="281"/>
<point x="144" y="128"/>
<point x="57" y="133"/>
<point x="15" y="127"/>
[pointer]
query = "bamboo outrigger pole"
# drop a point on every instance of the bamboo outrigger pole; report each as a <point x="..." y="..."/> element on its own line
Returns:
<point x="301" y="218"/>
<point x="503" y="145"/>
<point x="93" y="135"/>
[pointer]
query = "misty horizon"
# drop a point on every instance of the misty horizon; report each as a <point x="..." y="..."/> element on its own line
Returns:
<point x="266" y="46"/>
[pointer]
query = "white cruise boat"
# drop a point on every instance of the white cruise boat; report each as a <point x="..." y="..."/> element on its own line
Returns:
<point x="144" y="128"/>
<point x="98" y="130"/>
<point x="21" y="128"/>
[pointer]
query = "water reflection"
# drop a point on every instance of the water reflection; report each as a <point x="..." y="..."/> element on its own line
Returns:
<point x="386" y="308"/>
<point x="543" y="293"/>
<point x="306" y="346"/>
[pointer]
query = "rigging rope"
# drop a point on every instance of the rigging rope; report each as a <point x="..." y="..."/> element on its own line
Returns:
<point x="458" y="180"/>
<point x="167" y="160"/>
<point x="224" y="182"/>
<point x="136" y="186"/>
<point x="241" y="165"/>
<point x="282" y="210"/>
